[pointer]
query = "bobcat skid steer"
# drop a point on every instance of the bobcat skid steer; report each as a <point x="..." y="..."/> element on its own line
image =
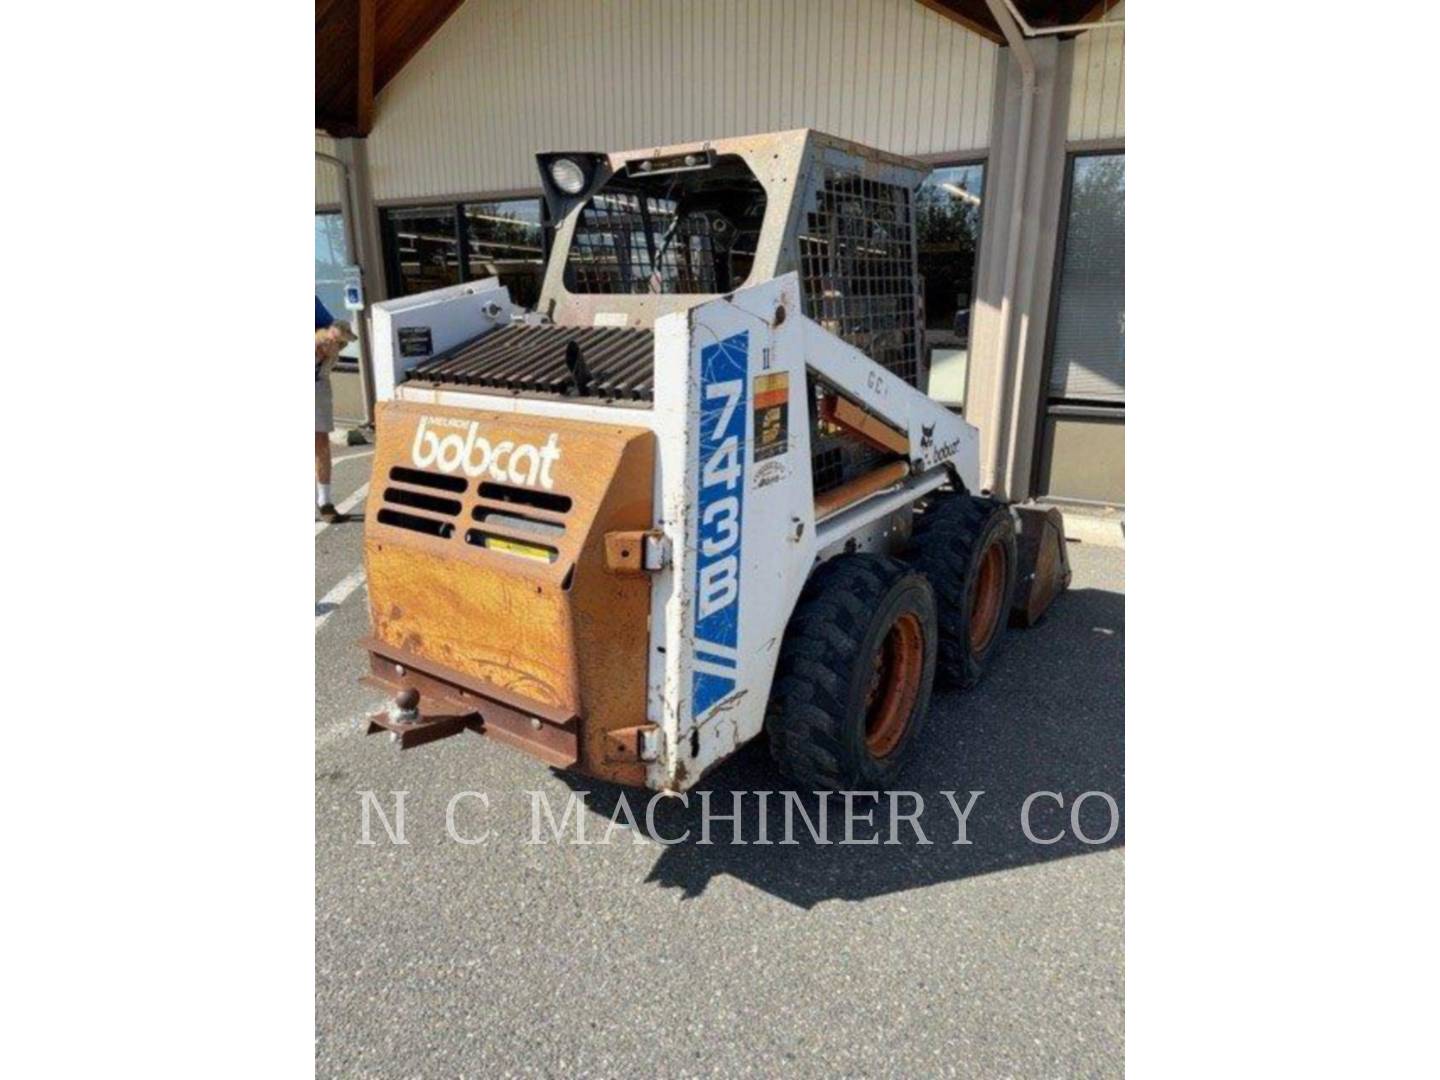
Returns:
<point x="698" y="493"/>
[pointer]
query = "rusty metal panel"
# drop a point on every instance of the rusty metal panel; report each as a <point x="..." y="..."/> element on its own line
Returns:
<point x="485" y="557"/>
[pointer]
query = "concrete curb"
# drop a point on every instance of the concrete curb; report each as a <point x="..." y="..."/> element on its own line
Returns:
<point x="349" y="436"/>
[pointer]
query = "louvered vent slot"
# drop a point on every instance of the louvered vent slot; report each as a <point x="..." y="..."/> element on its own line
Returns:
<point x="438" y="481"/>
<point x="521" y="523"/>
<point x="420" y="501"/>
<point x="429" y="526"/>
<point x="506" y="545"/>
<point x="540" y="500"/>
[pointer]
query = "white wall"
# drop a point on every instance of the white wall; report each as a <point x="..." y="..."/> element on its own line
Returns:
<point x="1097" y="87"/>
<point x="505" y="78"/>
<point x="327" y="175"/>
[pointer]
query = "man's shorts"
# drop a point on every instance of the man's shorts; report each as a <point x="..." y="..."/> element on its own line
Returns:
<point x="324" y="407"/>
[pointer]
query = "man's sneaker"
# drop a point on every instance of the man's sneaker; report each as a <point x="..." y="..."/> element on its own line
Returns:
<point x="330" y="515"/>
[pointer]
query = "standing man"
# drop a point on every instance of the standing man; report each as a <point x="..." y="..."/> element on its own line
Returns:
<point x="331" y="335"/>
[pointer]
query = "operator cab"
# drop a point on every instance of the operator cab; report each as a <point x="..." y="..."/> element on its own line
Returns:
<point x="668" y="229"/>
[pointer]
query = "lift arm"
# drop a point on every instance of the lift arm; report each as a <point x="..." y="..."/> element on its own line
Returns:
<point x="886" y="411"/>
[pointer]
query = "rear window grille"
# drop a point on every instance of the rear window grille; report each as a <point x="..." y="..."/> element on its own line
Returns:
<point x="424" y="479"/>
<point x="540" y="500"/>
<point x="633" y="243"/>
<point x="415" y="523"/>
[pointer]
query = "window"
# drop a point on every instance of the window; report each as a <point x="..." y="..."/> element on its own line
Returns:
<point x="947" y="219"/>
<point x="1088" y="348"/>
<point x="503" y="238"/>
<point x="423" y="248"/>
<point x="691" y="231"/>
<point x="331" y="258"/>
<point x="506" y="240"/>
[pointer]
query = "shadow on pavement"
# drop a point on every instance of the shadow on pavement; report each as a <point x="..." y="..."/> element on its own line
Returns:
<point x="1048" y="717"/>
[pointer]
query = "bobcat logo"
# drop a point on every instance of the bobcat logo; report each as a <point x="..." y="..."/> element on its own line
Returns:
<point x="927" y="436"/>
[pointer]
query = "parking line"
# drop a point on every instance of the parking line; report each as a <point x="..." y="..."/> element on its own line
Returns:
<point x="345" y="507"/>
<point x="352" y="457"/>
<point x="331" y="601"/>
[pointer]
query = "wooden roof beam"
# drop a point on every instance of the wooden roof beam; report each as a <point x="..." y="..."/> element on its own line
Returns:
<point x="985" y="30"/>
<point x="365" y="71"/>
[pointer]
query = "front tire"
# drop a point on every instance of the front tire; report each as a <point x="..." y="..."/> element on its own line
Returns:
<point x="853" y="682"/>
<point x="966" y="547"/>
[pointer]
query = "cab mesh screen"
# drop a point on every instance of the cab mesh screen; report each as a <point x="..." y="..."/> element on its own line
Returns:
<point x="857" y="269"/>
<point x="628" y="242"/>
<point x="858" y="278"/>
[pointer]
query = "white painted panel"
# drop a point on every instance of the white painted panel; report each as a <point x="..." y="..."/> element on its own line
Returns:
<point x="327" y="175"/>
<point x="503" y="79"/>
<point x="1097" y="89"/>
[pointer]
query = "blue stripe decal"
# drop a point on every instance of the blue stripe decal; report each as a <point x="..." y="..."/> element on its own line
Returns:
<point x="724" y="397"/>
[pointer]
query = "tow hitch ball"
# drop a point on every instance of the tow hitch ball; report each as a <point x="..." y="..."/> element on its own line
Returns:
<point x="407" y="702"/>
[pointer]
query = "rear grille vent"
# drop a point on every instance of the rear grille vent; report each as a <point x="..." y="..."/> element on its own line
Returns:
<point x="441" y="507"/>
<point x="433" y="503"/>
<point x="429" y="526"/>
<point x="424" y="479"/>
<point x="514" y="522"/>
<point x="505" y="545"/>
<point x="522" y="523"/>
<point x="540" y="500"/>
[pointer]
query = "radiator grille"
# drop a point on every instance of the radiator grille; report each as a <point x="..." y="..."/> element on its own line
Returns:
<point x="618" y="363"/>
<point x="508" y="520"/>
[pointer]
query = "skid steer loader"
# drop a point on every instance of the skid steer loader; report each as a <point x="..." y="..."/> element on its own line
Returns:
<point x="698" y="493"/>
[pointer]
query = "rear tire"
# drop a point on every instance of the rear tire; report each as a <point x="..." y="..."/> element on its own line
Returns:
<point x="853" y="681"/>
<point x="966" y="547"/>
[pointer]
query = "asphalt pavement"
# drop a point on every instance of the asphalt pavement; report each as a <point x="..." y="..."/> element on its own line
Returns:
<point x="1000" y="957"/>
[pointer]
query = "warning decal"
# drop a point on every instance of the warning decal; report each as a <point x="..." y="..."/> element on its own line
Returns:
<point x="772" y="414"/>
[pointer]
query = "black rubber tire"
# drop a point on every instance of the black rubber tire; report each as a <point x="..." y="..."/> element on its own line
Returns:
<point x="949" y="538"/>
<point x="816" y="718"/>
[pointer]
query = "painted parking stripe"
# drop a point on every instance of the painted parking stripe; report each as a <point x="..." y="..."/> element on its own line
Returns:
<point x="352" y="457"/>
<point x="332" y="600"/>
<point x="346" y="506"/>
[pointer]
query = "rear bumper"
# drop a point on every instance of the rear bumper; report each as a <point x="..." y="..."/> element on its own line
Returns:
<point x="451" y="702"/>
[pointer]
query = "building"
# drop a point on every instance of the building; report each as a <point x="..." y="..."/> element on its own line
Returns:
<point x="429" y="114"/>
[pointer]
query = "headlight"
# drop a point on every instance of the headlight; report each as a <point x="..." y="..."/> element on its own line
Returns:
<point x="568" y="176"/>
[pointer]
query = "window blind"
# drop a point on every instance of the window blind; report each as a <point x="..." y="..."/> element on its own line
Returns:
<point x="1088" y="361"/>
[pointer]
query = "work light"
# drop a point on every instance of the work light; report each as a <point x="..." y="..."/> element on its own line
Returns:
<point x="569" y="177"/>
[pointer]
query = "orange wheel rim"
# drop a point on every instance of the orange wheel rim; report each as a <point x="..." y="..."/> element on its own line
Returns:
<point x="986" y="597"/>
<point x="895" y="685"/>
